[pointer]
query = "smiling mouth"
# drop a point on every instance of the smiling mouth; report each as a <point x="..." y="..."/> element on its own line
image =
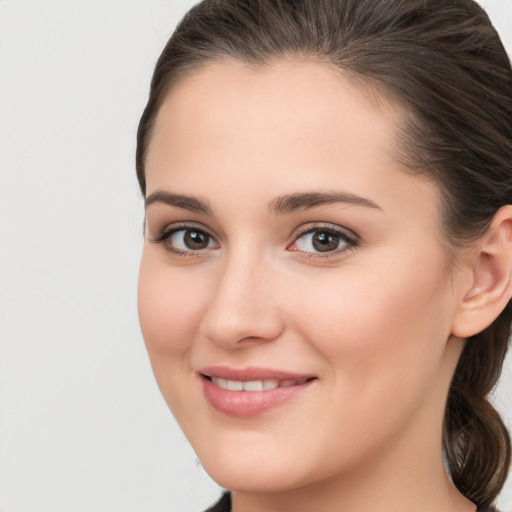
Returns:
<point x="251" y="392"/>
<point x="256" y="385"/>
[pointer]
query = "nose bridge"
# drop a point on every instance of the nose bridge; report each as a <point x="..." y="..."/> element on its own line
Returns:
<point x="243" y="306"/>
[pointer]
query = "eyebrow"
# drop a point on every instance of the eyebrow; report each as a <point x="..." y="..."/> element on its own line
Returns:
<point x="280" y="205"/>
<point x="189" y="203"/>
<point x="304" y="200"/>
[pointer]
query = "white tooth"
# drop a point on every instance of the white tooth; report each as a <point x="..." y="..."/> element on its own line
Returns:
<point x="288" y="383"/>
<point x="222" y="383"/>
<point x="253" y="385"/>
<point x="235" y="385"/>
<point x="270" y="384"/>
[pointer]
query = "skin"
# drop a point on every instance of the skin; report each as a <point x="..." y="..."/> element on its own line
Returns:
<point x="374" y="321"/>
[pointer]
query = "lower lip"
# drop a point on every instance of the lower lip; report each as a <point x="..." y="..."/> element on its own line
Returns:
<point x="247" y="404"/>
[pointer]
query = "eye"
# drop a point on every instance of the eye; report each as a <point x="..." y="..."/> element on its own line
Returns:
<point x="323" y="240"/>
<point x="185" y="240"/>
<point x="191" y="240"/>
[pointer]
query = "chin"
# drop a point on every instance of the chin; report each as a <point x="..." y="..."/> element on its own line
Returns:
<point x="253" y="470"/>
<point x="249" y="478"/>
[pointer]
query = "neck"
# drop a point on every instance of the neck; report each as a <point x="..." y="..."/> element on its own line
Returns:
<point x="420" y="485"/>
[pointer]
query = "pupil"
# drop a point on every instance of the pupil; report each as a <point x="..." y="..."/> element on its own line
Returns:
<point x="324" y="242"/>
<point x="196" y="240"/>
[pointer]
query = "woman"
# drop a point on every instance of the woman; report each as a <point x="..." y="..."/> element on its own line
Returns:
<point x="325" y="281"/>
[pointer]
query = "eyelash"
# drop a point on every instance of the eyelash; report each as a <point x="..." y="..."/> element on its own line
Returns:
<point x="351" y="240"/>
<point x="165" y="235"/>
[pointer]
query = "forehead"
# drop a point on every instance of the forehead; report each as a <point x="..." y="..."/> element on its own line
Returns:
<point x="303" y="86"/>
<point x="289" y="102"/>
<point x="283" y="127"/>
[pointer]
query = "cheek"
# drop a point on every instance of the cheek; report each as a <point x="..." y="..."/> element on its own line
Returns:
<point x="169" y="312"/>
<point x="383" y="342"/>
<point x="380" y="324"/>
<point x="169" y="308"/>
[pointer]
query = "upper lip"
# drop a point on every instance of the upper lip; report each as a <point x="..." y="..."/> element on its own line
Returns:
<point x="252" y="373"/>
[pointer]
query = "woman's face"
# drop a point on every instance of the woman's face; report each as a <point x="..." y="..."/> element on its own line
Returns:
<point x="289" y="259"/>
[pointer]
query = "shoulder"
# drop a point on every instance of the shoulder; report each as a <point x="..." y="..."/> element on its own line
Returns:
<point x="223" y="505"/>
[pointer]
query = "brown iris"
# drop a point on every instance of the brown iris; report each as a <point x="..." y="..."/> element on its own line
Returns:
<point x="324" y="242"/>
<point x="196" y="240"/>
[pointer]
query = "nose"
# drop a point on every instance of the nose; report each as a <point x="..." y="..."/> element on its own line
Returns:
<point x="243" y="308"/>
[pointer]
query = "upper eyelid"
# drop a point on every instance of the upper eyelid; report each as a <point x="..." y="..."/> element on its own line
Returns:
<point x="183" y="226"/>
<point x="327" y="226"/>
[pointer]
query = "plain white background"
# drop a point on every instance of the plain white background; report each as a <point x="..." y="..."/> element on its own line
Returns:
<point x="82" y="423"/>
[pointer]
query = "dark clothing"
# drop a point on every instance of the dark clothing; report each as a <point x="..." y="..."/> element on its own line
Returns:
<point x="224" y="505"/>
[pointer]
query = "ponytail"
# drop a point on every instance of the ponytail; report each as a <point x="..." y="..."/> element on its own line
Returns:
<point x="476" y="442"/>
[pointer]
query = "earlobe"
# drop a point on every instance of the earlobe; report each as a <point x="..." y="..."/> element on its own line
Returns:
<point x="490" y="286"/>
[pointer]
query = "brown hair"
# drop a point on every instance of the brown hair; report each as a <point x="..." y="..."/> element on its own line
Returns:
<point x="445" y="62"/>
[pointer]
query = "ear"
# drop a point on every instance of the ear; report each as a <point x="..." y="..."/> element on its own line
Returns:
<point x="489" y="287"/>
